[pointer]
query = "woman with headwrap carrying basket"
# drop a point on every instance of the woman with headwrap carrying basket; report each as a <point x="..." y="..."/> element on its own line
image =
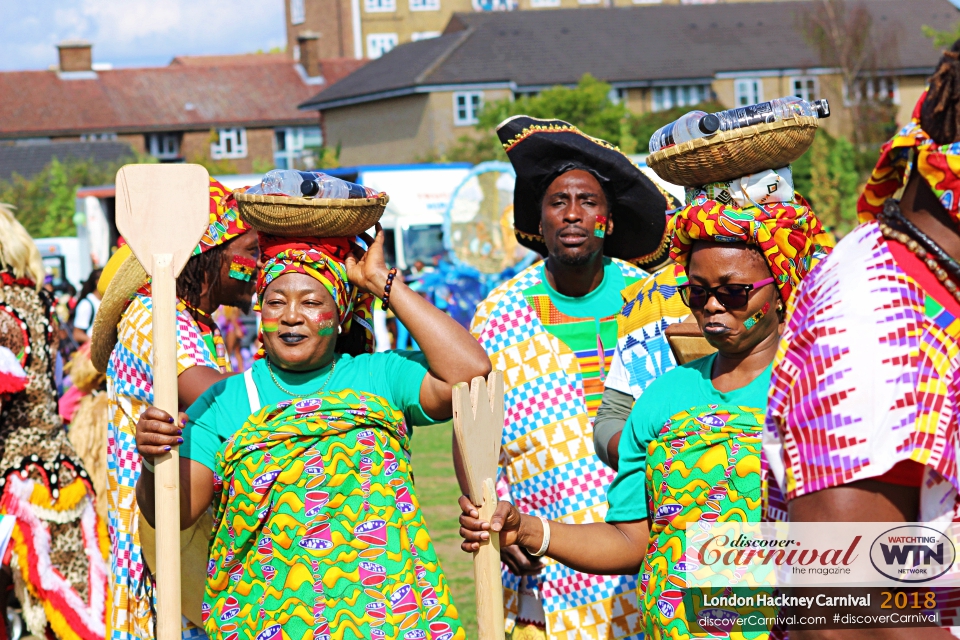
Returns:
<point x="691" y="449"/>
<point x="305" y="457"/>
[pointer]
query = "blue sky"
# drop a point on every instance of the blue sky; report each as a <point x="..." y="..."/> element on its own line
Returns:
<point x="130" y="33"/>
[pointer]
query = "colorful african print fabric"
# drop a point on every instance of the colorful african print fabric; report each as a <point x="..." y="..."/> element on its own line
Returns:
<point x="866" y="376"/>
<point x="130" y="390"/>
<point x="643" y="353"/>
<point x="325" y="260"/>
<point x="548" y="465"/>
<point x="225" y="223"/>
<point x="704" y="467"/>
<point x="318" y="530"/>
<point x="789" y="235"/>
<point x="938" y="164"/>
<point x="59" y="546"/>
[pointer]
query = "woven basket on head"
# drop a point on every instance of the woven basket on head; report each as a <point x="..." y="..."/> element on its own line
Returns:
<point x="318" y="217"/>
<point x="732" y="154"/>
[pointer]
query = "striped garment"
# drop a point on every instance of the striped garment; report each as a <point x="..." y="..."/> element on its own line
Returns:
<point x="130" y="391"/>
<point x="548" y="465"/>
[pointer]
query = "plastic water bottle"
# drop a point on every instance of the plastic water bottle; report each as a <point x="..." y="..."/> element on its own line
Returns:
<point x="310" y="184"/>
<point x="695" y="124"/>
<point x="772" y="111"/>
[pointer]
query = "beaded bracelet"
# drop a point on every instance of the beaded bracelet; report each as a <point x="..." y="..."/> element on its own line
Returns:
<point x="386" y="288"/>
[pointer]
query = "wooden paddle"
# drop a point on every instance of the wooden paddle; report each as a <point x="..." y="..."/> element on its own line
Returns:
<point x="162" y="211"/>
<point x="478" y="425"/>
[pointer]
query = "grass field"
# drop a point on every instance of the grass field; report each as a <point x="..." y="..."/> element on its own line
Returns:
<point x="438" y="492"/>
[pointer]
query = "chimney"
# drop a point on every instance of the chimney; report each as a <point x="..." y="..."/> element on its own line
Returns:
<point x="309" y="53"/>
<point x="75" y="55"/>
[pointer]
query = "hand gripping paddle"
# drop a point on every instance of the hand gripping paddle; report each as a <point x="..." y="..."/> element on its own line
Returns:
<point x="162" y="211"/>
<point x="478" y="425"/>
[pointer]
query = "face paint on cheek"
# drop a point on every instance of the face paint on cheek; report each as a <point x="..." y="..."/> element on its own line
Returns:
<point x="270" y="325"/>
<point x="326" y="324"/>
<point x="752" y="321"/>
<point x="600" y="227"/>
<point x="242" y="268"/>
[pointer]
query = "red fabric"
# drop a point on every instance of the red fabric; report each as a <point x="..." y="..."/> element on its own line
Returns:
<point x="9" y="280"/>
<point x="916" y="269"/>
<point x="906" y="473"/>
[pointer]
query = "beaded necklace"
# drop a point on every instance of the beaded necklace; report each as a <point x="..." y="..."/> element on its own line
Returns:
<point x="941" y="265"/>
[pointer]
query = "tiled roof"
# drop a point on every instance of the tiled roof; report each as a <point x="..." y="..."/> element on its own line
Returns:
<point x="194" y="93"/>
<point x="625" y="46"/>
<point x="28" y="160"/>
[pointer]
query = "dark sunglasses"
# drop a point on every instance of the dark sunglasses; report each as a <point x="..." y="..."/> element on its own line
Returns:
<point x="731" y="296"/>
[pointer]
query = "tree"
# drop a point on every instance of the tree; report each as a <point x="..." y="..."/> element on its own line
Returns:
<point x="586" y="106"/>
<point x="45" y="204"/>
<point x="827" y="176"/>
<point x="846" y="38"/>
<point x="942" y="38"/>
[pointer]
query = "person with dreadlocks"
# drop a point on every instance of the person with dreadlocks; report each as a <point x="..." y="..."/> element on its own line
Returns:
<point x="865" y="399"/>
<point x="56" y="562"/>
<point x="221" y="271"/>
<point x="305" y="458"/>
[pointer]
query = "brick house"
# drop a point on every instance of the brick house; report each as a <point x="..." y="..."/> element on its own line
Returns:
<point x="240" y="109"/>
<point x="425" y="95"/>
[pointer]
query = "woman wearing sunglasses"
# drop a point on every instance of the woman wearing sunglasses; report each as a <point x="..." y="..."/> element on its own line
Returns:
<point x="742" y="264"/>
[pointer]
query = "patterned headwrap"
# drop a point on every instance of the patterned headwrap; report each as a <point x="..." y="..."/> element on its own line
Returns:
<point x="938" y="164"/>
<point x="788" y="234"/>
<point x="325" y="260"/>
<point x="225" y="223"/>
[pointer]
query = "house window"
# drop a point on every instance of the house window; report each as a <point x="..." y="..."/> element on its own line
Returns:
<point x="95" y="137"/>
<point x="164" y="146"/>
<point x="873" y="89"/>
<point x="293" y="147"/>
<point x="747" y="91"/>
<point x="466" y="107"/>
<point x="538" y="4"/>
<point x="380" y="6"/>
<point x="297" y="12"/>
<point x="805" y="88"/>
<point x="231" y="143"/>
<point x="680" y="96"/>
<point x="379" y="43"/>
<point x="424" y="5"/>
<point x="424" y="35"/>
<point x="616" y="96"/>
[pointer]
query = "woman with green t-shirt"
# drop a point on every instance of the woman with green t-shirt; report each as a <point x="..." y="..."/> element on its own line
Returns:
<point x="691" y="448"/>
<point x="305" y="457"/>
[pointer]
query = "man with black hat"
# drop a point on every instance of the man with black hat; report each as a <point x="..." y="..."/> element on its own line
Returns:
<point x="586" y="208"/>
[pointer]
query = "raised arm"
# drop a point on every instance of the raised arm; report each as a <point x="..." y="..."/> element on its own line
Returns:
<point x="452" y="354"/>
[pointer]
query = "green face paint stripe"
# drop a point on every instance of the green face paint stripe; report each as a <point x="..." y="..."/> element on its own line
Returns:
<point x="752" y="321"/>
<point x="325" y="331"/>
<point x="270" y="326"/>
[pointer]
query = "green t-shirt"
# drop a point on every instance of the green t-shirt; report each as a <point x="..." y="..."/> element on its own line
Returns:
<point x="577" y="322"/>
<point x="223" y="409"/>
<point x="677" y="390"/>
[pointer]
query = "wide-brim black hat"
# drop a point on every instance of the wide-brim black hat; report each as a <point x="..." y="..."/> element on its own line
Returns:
<point x="538" y="149"/>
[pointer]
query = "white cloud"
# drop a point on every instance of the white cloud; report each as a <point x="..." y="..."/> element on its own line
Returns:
<point x="136" y="32"/>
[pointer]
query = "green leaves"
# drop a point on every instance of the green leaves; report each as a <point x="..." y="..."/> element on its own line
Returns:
<point x="45" y="204"/>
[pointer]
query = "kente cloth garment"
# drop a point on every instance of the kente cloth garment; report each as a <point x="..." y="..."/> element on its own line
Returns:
<point x="130" y="390"/>
<point x="866" y="376"/>
<point x="325" y="260"/>
<point x="938" y="164"/>
<point x="59" y="546"/>
<point x="548" y="465"/>
<point x="789" y="235"/>
<point x="643" y="353"/>
<point x="225" y="223"/>
<point x="318" y="530"/>
<point x="688" y="453"/>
